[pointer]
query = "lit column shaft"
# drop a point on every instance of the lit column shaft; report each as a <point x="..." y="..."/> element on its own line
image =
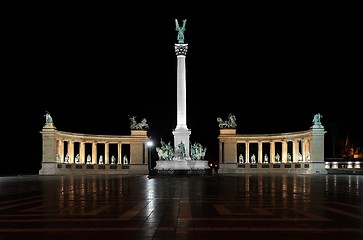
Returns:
<point x="181" y="132"/>
<point x="181" y="94"/>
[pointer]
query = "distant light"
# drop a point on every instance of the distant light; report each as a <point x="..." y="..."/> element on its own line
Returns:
<point x="149" y="143"/>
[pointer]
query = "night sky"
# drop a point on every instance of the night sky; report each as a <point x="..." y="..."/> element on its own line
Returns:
<point x="272" y="65"/>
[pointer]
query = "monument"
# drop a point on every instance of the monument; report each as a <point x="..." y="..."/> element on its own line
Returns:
<point x="182" y="156"/>
<point x="181" y="132"/>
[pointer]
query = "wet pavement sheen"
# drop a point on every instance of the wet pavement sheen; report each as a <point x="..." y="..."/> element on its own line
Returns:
<point x="224" y="206"/>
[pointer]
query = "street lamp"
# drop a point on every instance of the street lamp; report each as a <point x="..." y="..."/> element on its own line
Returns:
<point x="149" y="145"/>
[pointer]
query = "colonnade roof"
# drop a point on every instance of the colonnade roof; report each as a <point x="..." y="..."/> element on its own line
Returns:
<point x="100" y="138"/>
<point x="267" y="137"/>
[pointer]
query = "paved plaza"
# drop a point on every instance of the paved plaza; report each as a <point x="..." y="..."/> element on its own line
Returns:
<point x="220" y="206"/>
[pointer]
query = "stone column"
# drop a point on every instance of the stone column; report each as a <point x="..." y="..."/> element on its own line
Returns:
<point x="284" y="152"/>
<point x="60" y="150"/>
<point x="82" y="153"/>
<point x="71" y="151"/>
<point x="119" y="153"/>
<point x="107" y="153"/>
<point x="260" y="157"/>
<point x="181" y="132"/>
<point x="247" y="157"/>
<point x="272" y="152"/>
<point x="295" y="150"/>
<point x="94" y="153"/>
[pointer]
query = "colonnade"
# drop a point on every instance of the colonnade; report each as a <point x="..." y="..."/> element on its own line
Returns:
<point x="70" y="157"/>
<point x="238" y="152"/>
<point x="299" y="151"/>
<point x="66" y="148"/>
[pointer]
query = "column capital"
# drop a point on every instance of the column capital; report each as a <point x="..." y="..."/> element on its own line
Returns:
<point x="181" y="49"/>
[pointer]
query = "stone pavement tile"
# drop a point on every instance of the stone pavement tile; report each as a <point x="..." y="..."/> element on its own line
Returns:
<point x="292" y="207"/>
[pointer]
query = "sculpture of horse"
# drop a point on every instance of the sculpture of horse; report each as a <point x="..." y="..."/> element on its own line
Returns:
<point x="135" y="125"/>
<point x="230" y="123"/>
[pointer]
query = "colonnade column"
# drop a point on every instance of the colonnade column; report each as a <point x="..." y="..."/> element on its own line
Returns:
<point x="94" y="153"/>
<point x="295" y="152"/>
<point x="119" y="154"/>
<point x="284" y="152"/>
<point x="272" y="152"/>
<point x="60" y="150"/>
<point x="247" y="152"/>
<point x="259" y="158"/>
<point x="82" y="152"/>
<point x="107" y="152"/>
<point x="71" y="151"/>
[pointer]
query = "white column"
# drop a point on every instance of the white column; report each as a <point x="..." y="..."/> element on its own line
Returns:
<point x="181" y="94"/>
<point x="181" y="132"/>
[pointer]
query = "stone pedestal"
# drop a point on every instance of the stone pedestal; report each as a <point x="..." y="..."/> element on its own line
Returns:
<point x="181" y="165"/>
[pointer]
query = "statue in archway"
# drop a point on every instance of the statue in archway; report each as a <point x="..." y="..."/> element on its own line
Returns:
<point x="300" y="157"/>
<point x="265" y="160"/>
<point x="125" y="160"/>
<point x="89" y="159"/>
<point x="277" y="157"/>
<point x="100" y="160"/>
<point x="66" y="159"/>
<point x="240" y="158"/>
<point x="113" y="159"/>
<point x="77" y="159"/>
<point x="253" y="158"/>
